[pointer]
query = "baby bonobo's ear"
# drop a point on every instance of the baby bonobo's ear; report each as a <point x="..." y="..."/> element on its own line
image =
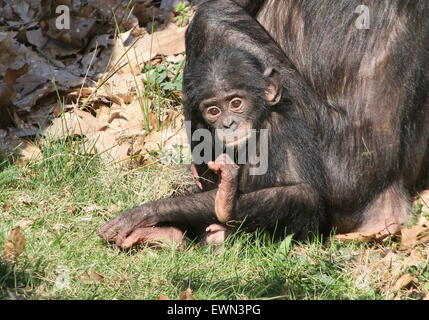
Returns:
<point x="273" y="90"/>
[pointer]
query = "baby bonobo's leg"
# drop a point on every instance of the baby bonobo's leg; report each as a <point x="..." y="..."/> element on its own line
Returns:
<point x="226" y="195"/>
<point x="156" y="235"/>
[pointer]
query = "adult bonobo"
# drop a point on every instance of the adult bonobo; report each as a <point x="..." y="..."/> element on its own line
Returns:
<point x="247" y="85"/>
<point x="377" y="74"/>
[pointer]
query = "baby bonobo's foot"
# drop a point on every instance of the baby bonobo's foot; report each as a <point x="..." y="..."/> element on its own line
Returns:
<point x="226" y="195"/>
<point x="216" y="234"/>
<point x="156" y="235"/>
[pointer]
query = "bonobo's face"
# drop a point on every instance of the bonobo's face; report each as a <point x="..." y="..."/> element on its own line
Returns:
<point x="232" y="114"/>
<point x="235" y="94"/>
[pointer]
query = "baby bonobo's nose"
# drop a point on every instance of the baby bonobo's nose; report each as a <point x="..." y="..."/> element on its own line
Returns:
<point x="229" y="123"/>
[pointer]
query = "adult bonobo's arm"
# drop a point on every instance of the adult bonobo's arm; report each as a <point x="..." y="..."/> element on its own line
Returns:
<point x="251" y="6"/>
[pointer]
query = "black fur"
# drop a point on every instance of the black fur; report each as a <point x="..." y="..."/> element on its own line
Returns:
<point x="355" y="101"/>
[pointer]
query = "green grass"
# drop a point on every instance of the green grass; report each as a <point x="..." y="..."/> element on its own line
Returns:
<point x="68" y="196"/>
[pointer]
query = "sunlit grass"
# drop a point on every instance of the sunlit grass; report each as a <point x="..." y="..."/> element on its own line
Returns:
<point x="67" y="196"/>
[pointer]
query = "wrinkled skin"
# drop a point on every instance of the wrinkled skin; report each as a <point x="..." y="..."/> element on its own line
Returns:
<point x="154" y="236"/>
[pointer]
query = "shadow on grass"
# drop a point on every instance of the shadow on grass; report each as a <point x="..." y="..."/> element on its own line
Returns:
<point x="274" y="287"/>
<point x="15" y="283"/>
<point x="231" y="288"/>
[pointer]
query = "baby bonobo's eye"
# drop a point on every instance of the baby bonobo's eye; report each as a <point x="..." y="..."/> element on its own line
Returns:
<point x="213" y="111"/>
<point x="236" y="103"/>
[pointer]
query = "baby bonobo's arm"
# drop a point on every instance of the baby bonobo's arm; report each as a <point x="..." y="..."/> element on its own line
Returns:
<point x="226" y="196"/>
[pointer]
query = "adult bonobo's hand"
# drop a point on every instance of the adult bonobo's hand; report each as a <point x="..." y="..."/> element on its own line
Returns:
<point x="122" y="227"/>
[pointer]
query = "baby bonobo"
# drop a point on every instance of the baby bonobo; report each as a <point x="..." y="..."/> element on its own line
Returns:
<point x="234" y="97"/>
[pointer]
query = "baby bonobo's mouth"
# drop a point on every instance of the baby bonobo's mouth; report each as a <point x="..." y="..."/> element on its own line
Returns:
<point x="233" y="138"/>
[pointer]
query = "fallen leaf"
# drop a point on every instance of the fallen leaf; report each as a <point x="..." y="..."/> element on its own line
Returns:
<point x="28" y="151"/>
<point x="22" y="149"/>
<point x="76" y="122"/>
<point x="37" y="81"/>
<point x="114" y="208"/>
<point x="24" y="224"/>
<point x="58" y="226"/>
<point x="14" y="245"/>
<point x="91" y="277"/>
<point x="78" y="33"/>
<point x="416" y="257"/>
<point x="410" y="237"/>
<point x="186" y="295"/>
<point x="6" y="207"/>
<point x="405" y="282"/>
<point x="163" y="297"/>
<point x="357" y="236"/>
<point x="72" y="210"/>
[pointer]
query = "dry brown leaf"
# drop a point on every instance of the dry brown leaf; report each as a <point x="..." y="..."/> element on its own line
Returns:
<point x="72" y="210"/>
<point x="14" y="244"/>
<point x="163" y="297"/>
<point x="416" y="257"/>
<point x="186" y="295"/>
<point x="24" y="224"/>
<point x="146" y="13"/>
<point x="105" y="8"/>
<point x="167" y="42"/>
<point x="405" y="282"/>
<point x="76" y="122"/>
<point x="6" y="207"/>
<point x="76" y="36"/>
<point x="91" y="277"/>
<point x="24" y="150"/>
<point x="357" y="236"/>
<point x="114" y="208"/>
<point x="28" y="151"/>
<point x="36" y="83"/>
<point x="410" y="237"/>
<point x="106" y="144"/>
<point x="36" y="37"/>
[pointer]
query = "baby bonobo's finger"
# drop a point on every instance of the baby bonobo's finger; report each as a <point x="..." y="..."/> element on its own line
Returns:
<point x="196" y="176"/>
<point x="110" y="235"/>
<point x="106" y="227"/>
<point x="215" y="167"/>
<point x="152" y="235"/>
<point x="225" y="167"/>
<point x="121" y="236"/>
<point x="136" y="236"/>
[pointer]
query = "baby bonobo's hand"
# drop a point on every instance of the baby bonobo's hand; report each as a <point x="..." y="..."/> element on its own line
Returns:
<point x="156" y="236"/>
<point x="226" y="195"/>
